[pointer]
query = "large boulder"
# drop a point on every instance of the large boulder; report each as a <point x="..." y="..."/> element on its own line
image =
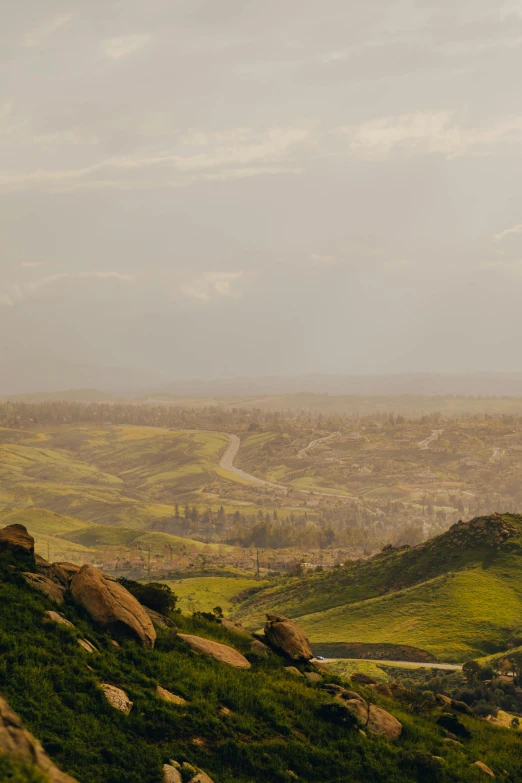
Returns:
<point x="47" y="586"/>
<point x="110" y="604"/>
<point x="285" y="636"/>
<point x="17" y="539"/>
<point x="374" y="718"/>
<point x="220" y="652"/>
<point x="19" y="743"/>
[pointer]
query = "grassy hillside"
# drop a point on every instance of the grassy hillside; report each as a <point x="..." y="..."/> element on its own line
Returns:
<point x="127" y="476"/>
<point x="456" y="596"/>
<point x="206" y="592"/>
<point x="277" y="728"/>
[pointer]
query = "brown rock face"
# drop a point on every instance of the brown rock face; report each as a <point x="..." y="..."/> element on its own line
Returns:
<point x="51" y="589"/>
<point x="220" y="652"/>
<point x="18" y="742"/>
<point x="172" y="698"/>
<point x="110" y="604"/>
<point x="286" y="636"/>
<point x="17" y="539"/>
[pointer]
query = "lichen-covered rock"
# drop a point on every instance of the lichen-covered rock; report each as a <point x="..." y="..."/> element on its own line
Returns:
<point x="220" y="652"/>
<point x="17" y="539"/>
<point x="110" y="604"/>
<point x="19" y="743"/>
<point x="47" y="586"/>
<point x="117" y="698"/>
<point x="284" y="635"/>
<point x="166" y="695"/>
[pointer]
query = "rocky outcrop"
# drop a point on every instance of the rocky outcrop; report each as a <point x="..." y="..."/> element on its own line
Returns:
<point x="47" y="586"/>
<point x="19" y="743"/>
<point x="374" y="718"/>
<point x="117" y="698"/>
<point x="220" y="652"/>
<point x="186" y="772"/>
<point x="293" y="671"/>
<point x="284" y="635"/>
<point x="52" y="571"/>
<point x="110" y="604"/>
<point x="15" y="538"/>
<point x="69" y="568"/>
<point x="172" y="698"/>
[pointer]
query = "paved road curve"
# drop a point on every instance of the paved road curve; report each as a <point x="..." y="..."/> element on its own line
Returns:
<point x="456" y="667"/>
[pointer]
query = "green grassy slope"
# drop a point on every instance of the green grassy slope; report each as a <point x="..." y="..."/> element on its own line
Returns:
<point x="125" y="476"/>
<point x="100" y="535"/>
<point x="456" y="596"/>
<point x="276" y="730"/>
<point x="204" y="593"/>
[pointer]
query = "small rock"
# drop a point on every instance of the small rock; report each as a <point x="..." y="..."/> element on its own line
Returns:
<point x="58" y="618"/>
<point x="114" y="643"/>
<point x="484" y="768"/>
<point x="46" y="586"/>
<point x="189" y="769"/>
<point x="348" y="694"/>
<point x="439" y="759"/>
<point x="231" y="625"/>
<point x="450" y="741"/>
<point x="224" y="712"/>
<point x="293" y="671"/>
<point x="117" y="698"/>
<point x="87" y="646"/>
<point x="259" y="649"/>
<point x="443" y="699"/>
<point x="313" y="676"/>
<point x="201" y="777"/>
<point x="461" y="706"/>
<point x="172" y="698"/>
<point x="171" y="774"/>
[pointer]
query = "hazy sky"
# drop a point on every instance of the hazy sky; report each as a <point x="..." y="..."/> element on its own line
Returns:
<point x="223" y="187"/>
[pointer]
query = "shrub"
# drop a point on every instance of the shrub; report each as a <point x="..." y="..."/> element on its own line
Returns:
<point x="154" y="595"/>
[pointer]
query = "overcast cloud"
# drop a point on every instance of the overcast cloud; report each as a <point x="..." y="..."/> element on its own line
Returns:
<point x="220" y="187"/>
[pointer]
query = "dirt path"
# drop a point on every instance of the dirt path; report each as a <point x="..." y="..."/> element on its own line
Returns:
<point x="497" y="454"/>
<point x="426" y="442"/>
<point x="227" y="463"/>
<point x="303" y="453"/>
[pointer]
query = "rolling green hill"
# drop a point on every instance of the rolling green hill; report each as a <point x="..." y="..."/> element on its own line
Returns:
<point x="457" y="596"/>
<point x="127" y="476"/>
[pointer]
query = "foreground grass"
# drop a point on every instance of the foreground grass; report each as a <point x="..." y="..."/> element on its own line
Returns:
<point x="276" y="729"/>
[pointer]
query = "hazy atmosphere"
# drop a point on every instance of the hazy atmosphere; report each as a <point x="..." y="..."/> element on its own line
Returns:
<point x="206" y="189"/>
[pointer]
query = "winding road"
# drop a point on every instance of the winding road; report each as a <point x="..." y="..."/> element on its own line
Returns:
<point x="227" y="463"/>
<point x="455" y="667"/>
<point x="426" y="442"/>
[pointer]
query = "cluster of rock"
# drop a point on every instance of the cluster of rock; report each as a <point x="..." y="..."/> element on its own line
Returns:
<point x="173" y="772"/>
<point x="371" y="717"/>
<point x="105" y="599"/>
<point x="492" y="530"/>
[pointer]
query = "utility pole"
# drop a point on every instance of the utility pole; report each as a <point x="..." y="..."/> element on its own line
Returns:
<point x="148" y="564"/>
